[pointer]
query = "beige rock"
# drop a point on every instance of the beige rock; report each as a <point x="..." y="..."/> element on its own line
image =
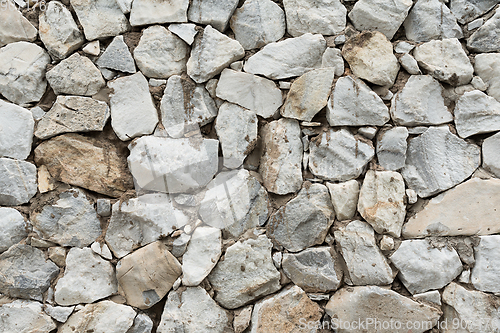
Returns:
<point x="45" y="180"/>
<point x="344" y="198"/>
<point x="242" y="319"/>
<point x="58" y="255"/>
<point x="14" y="27"/>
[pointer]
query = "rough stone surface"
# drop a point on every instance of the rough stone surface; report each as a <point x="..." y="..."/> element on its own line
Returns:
<point x="117" y="57"/>
<point x="491" y="154"/>
<point x="185" y="31"/>
<point x="12" y="226"/>
<point x="14" y="27"/>
<point x="212" y="12"/>
<point x="149" y="12"/>
<point x="391" y="148"/>
<point x="468" y="10"/>
<point x="332" y="57"/>
<point x="486" y="39"/>
<point x="142" y="324"/>
<point x="25" y="316"/>
<point x="476" y="113"/>
<point x="487" y="67"/>
<point x="344" y="198"/>
<point x="17" y="182"/>
<point x="409" y="64"/>
<point x="16" y="131"/>
<point x="59" y="313"/>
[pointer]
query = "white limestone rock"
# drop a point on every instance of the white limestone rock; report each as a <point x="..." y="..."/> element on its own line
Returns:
<point x="423" y="267"/>
<point x="366" y="265"/>
<point x="308" y="94"/>
<point x="281" y="163"/>
<point x="257" y="23"/>
<point x="491" y="154"/>
<point x="17" y="182"/>
<point x="445" y="60"/>
<point x="132" y="110"/>
<point x="87" y="278"/>
<point x="487" y="67"/>
<point x="92" y="48"/>
<point x="327" y="17"/>
<point x="338" y="155"/>
<point x="16" y="131"/>
<point x="486" y="39"/>
<point x="185" y="31"/>
<point x="117" y="57"/>
<point x="409" y="64"/>
<point x="438" y="160"/>
<point x="420" y="102"/>
<point x="148" y="218"/>
<point x="391" y="148"/>
<point x="212" y="51"/>
<point x="59" y="313"/>
<point x="150" y="12"/>
<point x="101" y="249"/>
<point x="13" y="228"/>
<point x="476" y="113"/>
<point x="142" y="324"/>
<point x="385" y="16"/>
<point x="14" y="27"/>
<point x="252" y="92"/>
<point x="22" y="72"/>
<point x="25" y="316"/>
<point x="430" y="296"/>
<point x="125" y="5"/>
<point x="212" y="12"/>
<point x="332" y="57"/>
<point x="353" y="103"/>
<point x="344" y="198"/>
<point x="288" y="58"/>
<point x="161" y="54"/>
<point x="485" y="273"/>
<point x="403" y="47"/>
<point x="467" y="10"/>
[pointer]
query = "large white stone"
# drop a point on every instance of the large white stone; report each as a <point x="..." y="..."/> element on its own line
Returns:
<point x="486" y="39"/>
<point x="13" y="228"/>
<point x="25" y="316"/>
<point x="344" y="198"/>
<point x="212" y="12"/>
<point x="485" y="273"/>
<point x="150" y="11"/>
<point x="17" y="182"/>
<point x="467" y="10"/>
<point x="476" y="113"/>
<point x="391" y="148"/>
<point x="14" y="27"/>
<point x="16" y="131"/>
<point x="487" y="66"/>
<point x="117" y="57"/>
<point x="491" y="154"/>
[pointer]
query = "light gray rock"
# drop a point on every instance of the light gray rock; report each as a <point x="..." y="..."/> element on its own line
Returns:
<point x="252" y="92"/>
<point x="391" y="148"/>
<point x="303" y="221"/>
<point x="344" y="198"/>
<point x="212" y="12"/>
<point x="431" y="19"/>
<point x="475" y="24"/>
<point x="445" y="60"/>
<point x="380" y="15"/>
<point x="235" y="202"/>
<point x="142" y="324"/>
<point x="101" y="249"/>
<point x="103" y="207"/>
<point x="491" y="154"/>
<point x="125" y="5"/>
<point x="366" y="265"/>
<point x="92" y="48"/>
<point x="438" y="160"/>
<point x="308" y="94"/>
<point x="281" y="163"/>
<point x="353" y="103"/>
<point x="403" y="47"/>
<point x="246" y="273"/>
<point x="192" y="310"/>
<point x="410" y="64"/>
<point x="430" y="296"/>
<point x="150" y="12"/>
<point x="486" y="39"/>
<point x="476" y="113"/>
<point x="25" y="316"/>
<point x="76" y="75"/>
<point x="132" y="110"/>
<point x="423" y="267"/>
<point x="16" y="131"/>
<point x="185" y="31"/>
<point x="117" y="57"/>
<point x="237" y="131"/>
<point x="59" y="313"/>
<point x="370" y="57"/>
<point x="478" y="83"/>
<point x="326" y="17"/>
<point x="420" y="102"/>
<point x="185" y="106"/>
<point x="161" y="54"/>
<point x="368" y="132"/>
<point x="22" y="72"/>
<point x="37" y="113"/>
<point x="100" y="18"/>
<point x="467" y="10"/>
<point x="484" y="274"/>
<point x="242" y="319"/>
<point x="333" y="58"/>
<point x="212" y="51"/>
<point x="288" y="58"/>
<point x="87" y="278"/>
<point x="13" y="228"/>
<point x="487" y="67"/>
<point x="25" y="273"/>
<point x="17" y="182"/>
<point x="73" y="114"/>
<point x="314" y="270"/>
<point x="173" y="165"/>
<point x="14" y="27"/>
<point x="179" y="245"/>
<point x="148" y="218"/>
<point x="257" y="23"/>
<point x="339" y="155"/>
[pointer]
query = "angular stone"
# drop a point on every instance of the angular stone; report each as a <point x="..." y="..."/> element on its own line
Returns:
<point x="252" y="92"/>
<point x="423" y="267"/>
<point x="161" y="54"/>
<point x="212" y="12"/>
<point x="212" y="51"/>
<point x="487" y="66"/>
<point x="25" y="316"/>
<point x="22" y="72"/>
<point x="76" y="75"/>
<point x="431" y="19"/>
<point x="173" y="165"/>
<point x="17" y="182"/>
<point x="319" y="17"/>
<point x="445" y="60"/>
<point x="242" y="319"/>
<point x="246" y="273"/>
<point x="303" y="221"/>
<point x="403" y="47"/>
<point x="148" y="218"/>
<point x="58" y="30"/>
<point x="185" y="31"/>
<point x="438" y="160"/>
<point x="257" y="23"/>
<point x="150" y="12"/>
<point x="73" y="114"/>
<point x="370" y="57"/>
<point x="409" y="64"/>
<point x="145" y="276"/>
<point x="366" y="265"/>
<point x="237" y="131"/>
<point x="59" y="313"/>
<point x="344" y="198"/>
<point x="353" y="103"/>
<point x="491" y="154"/>
<point x="16" y="131"/>
<point x="25" y="273"/>
<point x="142" y="324"/>
<point x="391" y="148"/>
<point x="117" y="57"/>
<point x="13" y="228"/>
<point x="308" y="94"/>
<point x="87" y="278"/>
<point x="476" y="113"/>
<point x="14" y="27"/>
<point x="420" y="102"/>
<point x="288" y="58"/>
<point x="467" y="10"/>
<point x="100" y="18"/>
<point x="339" y="155"/>
<point x="485" y="273"/>
<point x="92" y="48"/>
<point x="93" y="164"/>
<point x="333" y="58"/>
<point x="380" y="15"/>
<point x="281" y="164"/>
<point x="384" y="305"/>
<point x="101" y="249"/>
<point x="285" y="312"/>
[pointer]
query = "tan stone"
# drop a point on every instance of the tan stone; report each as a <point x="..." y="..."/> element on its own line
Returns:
<point x="242" y="319"/>
<point x="45" y="181"/>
